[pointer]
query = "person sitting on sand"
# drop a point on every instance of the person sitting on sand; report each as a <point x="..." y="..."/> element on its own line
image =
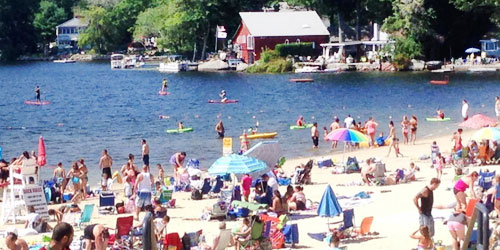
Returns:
<point x="462" y="184"/>
<point x="300" y="121"/>
<point x="483" y="155"/>
<point x="424" y="239"/>
<point x="298" y="200"/>
<point x="223" y="96"/>
<point x="335" y="242"/>
<point x="440" y="114"/>
<point x="14" y="243"/>
<point x="36" y="222"/>
<point x="98" y="234"/>
<point x="367" y="170"/>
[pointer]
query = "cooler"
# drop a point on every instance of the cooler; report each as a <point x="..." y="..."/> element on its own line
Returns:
<point x="107" y="199"/>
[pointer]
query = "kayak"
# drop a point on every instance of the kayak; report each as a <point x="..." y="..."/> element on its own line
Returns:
<point x="184" y="130"/>
<point x="261" y="135"/>
<point x="218" y="101"/>
<point x="294" y="127"/>
<point x="163" y="93"/>
<point x="435" y="119"/>
<point x="29" y="102"/>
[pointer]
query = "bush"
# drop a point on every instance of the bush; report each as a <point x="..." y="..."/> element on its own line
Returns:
<point x="274" y="65"/>
<point x="405" y="49"/>
<point x="294" y="49"/>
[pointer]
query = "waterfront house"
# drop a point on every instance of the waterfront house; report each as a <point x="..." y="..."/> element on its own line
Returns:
<point x="490" y="47"/>
<point x="68" y="32"/>
<point x="260" y="30"/>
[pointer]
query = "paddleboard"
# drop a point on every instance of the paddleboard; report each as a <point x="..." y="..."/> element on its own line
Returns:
<point x="294" y="127"/>
<point x="163" y="93"/>
<point x="218" y="101"/>
<point x="30" y="102"/>
<point x="184" y="130"/>
<point x="435" y="119"/>
<point x="261" y="135"/>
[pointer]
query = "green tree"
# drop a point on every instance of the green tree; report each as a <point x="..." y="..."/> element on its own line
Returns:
<point x="99" y="32"/>
<point x="46" y="19"/>
<point x="17" y="34"/>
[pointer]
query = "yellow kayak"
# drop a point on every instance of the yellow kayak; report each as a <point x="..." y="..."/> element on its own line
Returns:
<point x="261" y="135"/>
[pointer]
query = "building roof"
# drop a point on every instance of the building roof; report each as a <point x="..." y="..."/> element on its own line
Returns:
<point x="296" y="23"/>
<point x="74" y="22"/>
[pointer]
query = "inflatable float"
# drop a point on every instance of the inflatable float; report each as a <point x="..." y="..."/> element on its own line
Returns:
<point x="29" y="102"/>
<point x="438" y="82"/>
<point x="184" y="130"/>
<point x="163" y="93"/>
<point x="301" y="80"/>
<point x="218" y="101"/>
<point x="294" y="127"/>
<point x="261" y="135"/>
<point x="437" y="119"/>
<point x="366" y="145"/>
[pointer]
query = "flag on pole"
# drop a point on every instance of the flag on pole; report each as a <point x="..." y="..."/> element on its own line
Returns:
<point x="221" y="32"/>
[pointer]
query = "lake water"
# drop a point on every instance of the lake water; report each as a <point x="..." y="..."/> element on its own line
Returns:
<point x="94" y="107"/>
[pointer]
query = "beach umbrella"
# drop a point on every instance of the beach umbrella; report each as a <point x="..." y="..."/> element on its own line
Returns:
<point x="266" y="151"/>
<point x="237" y="164"/>
<point x="346" y="135"/>
<point x="479" y="121"/>
<point x="41" y="160"/>
<point x="329" y="205"/>
<point x="488" y="133"/>
<point x="472" y="50"/>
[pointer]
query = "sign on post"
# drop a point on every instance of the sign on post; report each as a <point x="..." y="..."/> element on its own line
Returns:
<point x="34" y="196"/>
<point x="227" y="146"/>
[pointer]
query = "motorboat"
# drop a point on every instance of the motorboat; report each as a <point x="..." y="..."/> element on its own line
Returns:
<point x="117" y="61"/>
<point x="308" y="69"/>
<point x="176" y="66"/>
<point x="443" y="70"/>
<point x="482" y="69"/>
<point x="64" y="61"/>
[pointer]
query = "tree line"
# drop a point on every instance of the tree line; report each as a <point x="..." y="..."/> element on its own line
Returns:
<point x="423" y="29"/>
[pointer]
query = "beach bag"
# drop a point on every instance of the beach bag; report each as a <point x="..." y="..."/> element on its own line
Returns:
<point x="196" y="194"/>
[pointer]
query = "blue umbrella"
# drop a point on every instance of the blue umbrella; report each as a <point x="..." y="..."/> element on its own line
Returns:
<point x="472" y="50"/>
<point x="237" y="164"/>
<point x="329" y="205"/>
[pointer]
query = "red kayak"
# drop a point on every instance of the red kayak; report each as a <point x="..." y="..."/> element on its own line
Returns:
<point x="163" y="93"/>
<point x="29" y="102"/>
<point x="437" y="82"/>
<point x="218" y="101"/>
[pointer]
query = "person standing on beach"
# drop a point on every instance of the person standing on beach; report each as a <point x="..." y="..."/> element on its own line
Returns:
<point x="315" y="135"/>
<point x="143" y="188"/>
<point x="105" y="163"/>
<point x="426" y="197"/>
<point x="465" y="110"/>
<point x="177" y="161"/>
<point x="413" y="128"/>
<point x="219" y="127"/>
<point x="371" y="129"/>
<point x="405" y="125"/>
<point x="497" y="107"/>
<point x="335" y="125"/>
<point x="457" y="140"/>
<point x="348" y="121"/>
<point x="145" y="153"/>
<point x="84" y="177"/>
<point x="392" y="138"/>
<point x="37" y="93"/>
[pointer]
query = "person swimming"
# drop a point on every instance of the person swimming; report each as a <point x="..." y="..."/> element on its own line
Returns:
<point x="164" y="85"/>
<point x="222" y="95"/>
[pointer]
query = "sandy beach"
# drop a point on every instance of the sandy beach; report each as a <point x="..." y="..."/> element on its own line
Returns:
<point x="395" y="215"/>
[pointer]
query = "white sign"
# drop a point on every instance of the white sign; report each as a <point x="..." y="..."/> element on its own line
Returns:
<point x="34" y="196"/>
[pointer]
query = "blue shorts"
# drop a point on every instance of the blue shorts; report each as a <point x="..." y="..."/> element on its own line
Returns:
<point x="144" y="199"/>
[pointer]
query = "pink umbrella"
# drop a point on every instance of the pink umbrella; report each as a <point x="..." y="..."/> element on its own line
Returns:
<point x="41" y="152"/>
<point x="479" y="121"/>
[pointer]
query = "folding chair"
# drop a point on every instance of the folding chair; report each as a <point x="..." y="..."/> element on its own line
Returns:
<point x="166" y="198"/>
<point x="124" y="227"/>
<point x="365" y="226"/>
<point x="470" y="207"/>
<point x="486" y="179"/>
<point x="86" y="215"/>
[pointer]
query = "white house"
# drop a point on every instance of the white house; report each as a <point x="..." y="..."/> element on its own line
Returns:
<point x="68" y="32"/>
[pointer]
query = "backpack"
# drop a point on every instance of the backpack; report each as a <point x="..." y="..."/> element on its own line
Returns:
<point x="196" y="194"/>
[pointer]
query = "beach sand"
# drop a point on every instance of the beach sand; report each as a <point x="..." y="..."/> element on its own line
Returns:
<point x="395" y="215"/>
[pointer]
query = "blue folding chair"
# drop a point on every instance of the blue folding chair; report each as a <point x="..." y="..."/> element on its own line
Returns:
<point x="486" y="179"/>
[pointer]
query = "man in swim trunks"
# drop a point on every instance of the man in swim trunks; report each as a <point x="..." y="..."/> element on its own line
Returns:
<point x="98" y="234"/>
<point x="426" y="197"/>
<point x="37" y="93"/>
<point x="105" y="163"/>
<point x="143" y="188"/>
<point x="348" y="121"/>
<point x="219" y="127"/>
<point x="315" y="135"/>
<point x="145" y="152"/>
<point x="62" y="236"/>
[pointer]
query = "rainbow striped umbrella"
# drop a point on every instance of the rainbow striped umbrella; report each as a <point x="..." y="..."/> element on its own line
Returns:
<point x="237" y="164"/>
<point x="488" y="133"/>
<point x="346" y="135"/>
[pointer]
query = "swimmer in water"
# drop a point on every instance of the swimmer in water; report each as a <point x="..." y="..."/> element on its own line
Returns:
<point x="164" y="85"/>
<point x="223" y="97"/>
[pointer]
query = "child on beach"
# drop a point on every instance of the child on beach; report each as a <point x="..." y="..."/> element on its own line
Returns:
<point x="106" y="182"/>
<point x="434" y="150"/>
<point x="127" y="187"/>
<point x="424" y="239"/>
<point x="161" y="174"/>
<point x="439" y="162"/>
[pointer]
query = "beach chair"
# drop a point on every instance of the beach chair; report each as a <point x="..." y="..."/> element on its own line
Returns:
<point x="486" y="179"/>
<point x="86" y="215"/>
<point x="205" y="189"/>
<point x="123" y="229"/>
<point x="256" y="234"/>
<point x="166" y="198"/>
<point x="217" y="187"/>
<point x="364" y="228"/>
<point x="172" y="241"/>
<point x="224" y="239"/>
<point x="470" y="207"/>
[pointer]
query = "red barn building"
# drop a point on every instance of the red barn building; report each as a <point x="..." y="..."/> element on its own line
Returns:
<point x="260" y="30"/>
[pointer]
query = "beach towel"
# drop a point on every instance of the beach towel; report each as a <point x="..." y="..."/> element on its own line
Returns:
<point x="291" y="233"/>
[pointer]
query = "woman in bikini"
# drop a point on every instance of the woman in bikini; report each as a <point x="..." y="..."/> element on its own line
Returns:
<point x="392" y="137"/>
<point x="74" y="176"/>
<point x="84" y="175"/>
<point x="413" y="128"/>
<point x="405" y="126"/>
<point x="462" y="185"/>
